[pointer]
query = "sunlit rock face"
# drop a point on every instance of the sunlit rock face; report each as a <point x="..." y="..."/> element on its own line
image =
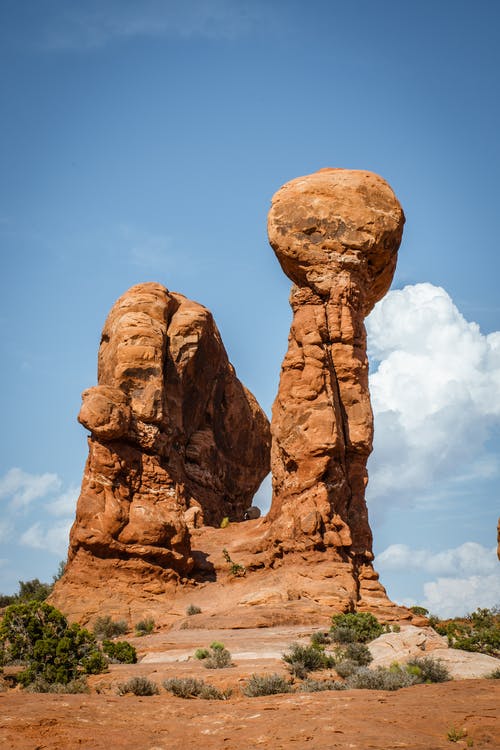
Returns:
<point x="176" y="441"/>
<point x="336" y="234"/>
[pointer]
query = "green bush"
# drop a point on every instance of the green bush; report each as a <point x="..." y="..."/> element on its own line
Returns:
<point x="272" y="684"/>
<point x="145" y="627"/>
<point x="187" y="687"/>
<point x="201" y="653"/>
<point x="218" y="657"/>
<point x="429" y="669"/>
<point x="316" y="686"/>
<point x="380" y="678"/>
<point x="479" y="631"/>
<point x="300" y="660"/>
<point x="120" y="651"/>
<point x="346" y="667"/>
<point x="357" y="652"/>
<point x="193" y="610"/>
<point x="38" y="635"/>
<point x="138" y="686"/>
<point x="320" y="638"/>
<point x="365" y="626"/>
<point x="419" y="611"/>
<point x="106" y="628"/>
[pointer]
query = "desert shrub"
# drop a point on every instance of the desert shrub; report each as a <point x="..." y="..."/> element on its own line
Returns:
<point x="271" y="684"/>
<point x="479" y="631"/>
<point x="365" y="626"/>
<point x="380" y="678"/>
<point x="38" y="635"/>
<point x="343" y="634"/>
<point x="39" y="685"/>
<point x="61" y="568"/>
<point x="7" y="599"/>
<point x="138" y="686"/>
<point x="300" y="660"/>
<point x="419" y="611"/>
<point x="218" y="657"/>
<point x="193" y="610"/>
<point x="357" y="652"/>
<point x="145" y="627"/>
<point x="320" y="638"/>
<point x="235" y="568"/>
<point x="429" y="669"/>
<point x="201" y="653"/>
<point x="120" y="651"/>
<point x="33" y="590"/>
<point x="346" y="667"/>
<point x="495" y="675"/>
<point x="106" y="628"/>
<point x="316" y="686"/>
<point x="187" y="687"/>
<point x="455" y="735"/>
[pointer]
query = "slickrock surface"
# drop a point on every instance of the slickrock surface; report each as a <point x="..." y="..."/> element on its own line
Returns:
<point x="417" y="718"/>
<point x="176" y="442"/>
<point x="336" y="234"/>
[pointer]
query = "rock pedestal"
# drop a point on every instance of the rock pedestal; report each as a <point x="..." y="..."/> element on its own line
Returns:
<point x="336" y="234"/>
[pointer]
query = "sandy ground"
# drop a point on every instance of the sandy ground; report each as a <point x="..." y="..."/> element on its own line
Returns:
<point x="419" y="717"/>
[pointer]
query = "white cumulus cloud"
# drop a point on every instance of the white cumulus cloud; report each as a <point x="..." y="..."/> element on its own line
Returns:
<point x="469" y="558"/>
<point x="21" y="488"/>
<point x="52" y="538"/>
<point x="435" y="395"/>
<point x="452" y="597"/>
<point x="65" y="503"/>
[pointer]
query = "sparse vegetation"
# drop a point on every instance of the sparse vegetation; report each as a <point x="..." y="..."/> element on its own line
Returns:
<point x="356" y="652"/>
<point x="38" y="636"/>
<point x="320" y="638"/>
<point x="271" y="684"/>
<point x="224" y="523"/>
<point x="40" y="685"/>
<point x="120" y="651"/>
<point x="479" y="631"/>
<point x="300" y="660"/>
<point x="495" y="675"/>
<point x="419" y="611"/>
<point x="346" y="668"/>
<point x="455" y="735"/>
<point x="363" y="627"/>
<point x="235" y="568"/>
<point x="138" y="686"/>
<point x="217" y="657"/>
<point x="427" y="669"/>
<point x="316" y="686"/>
<point x="380" y="678"/>
<point x="106" y="628"/>
<point x="187" y="687"/>
<point x="145" y="627"/>
<point x="193" y="610"/>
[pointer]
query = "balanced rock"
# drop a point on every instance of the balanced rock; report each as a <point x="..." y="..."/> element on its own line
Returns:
<point x="176" y="442"/>
<point x="336" y="234"/>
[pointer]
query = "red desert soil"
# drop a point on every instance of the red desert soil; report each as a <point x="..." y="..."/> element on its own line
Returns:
<point x="418" y="718"/>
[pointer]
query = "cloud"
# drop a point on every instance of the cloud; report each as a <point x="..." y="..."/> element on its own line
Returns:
<point x="452" y="597"/>
<point x="22" y="488"/>
<point x="65" y="503"/>
<point x="52" y="538"/>
<point x="435" y="396"/>
<point x="469" y="558"/>
<point x="98" y="24"/>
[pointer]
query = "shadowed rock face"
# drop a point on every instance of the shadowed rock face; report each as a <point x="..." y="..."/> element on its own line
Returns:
<point x="336" y="234"/>
<point x="176" y="440"/>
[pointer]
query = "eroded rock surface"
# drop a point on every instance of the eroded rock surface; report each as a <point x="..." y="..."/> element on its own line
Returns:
<point x="336" y="234"/>
<point x="176" y="441"/>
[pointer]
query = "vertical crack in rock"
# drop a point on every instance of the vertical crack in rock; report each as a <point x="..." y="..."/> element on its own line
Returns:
<point x="336" y="234"/>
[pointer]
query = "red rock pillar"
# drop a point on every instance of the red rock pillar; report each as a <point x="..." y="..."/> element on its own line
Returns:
<point x="336" y="234"/>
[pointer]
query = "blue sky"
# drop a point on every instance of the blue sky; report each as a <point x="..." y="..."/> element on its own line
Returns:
<point x="143" y="141"/>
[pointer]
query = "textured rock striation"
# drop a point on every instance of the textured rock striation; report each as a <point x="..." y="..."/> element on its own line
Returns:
<point x="176" y="441"/>
<point x="336" y="234"/>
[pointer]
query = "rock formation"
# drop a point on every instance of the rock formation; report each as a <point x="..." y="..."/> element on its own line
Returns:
<point x="176" y="440"/>
<point x="336" y="234"/>
<point x="177" y="443"/>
